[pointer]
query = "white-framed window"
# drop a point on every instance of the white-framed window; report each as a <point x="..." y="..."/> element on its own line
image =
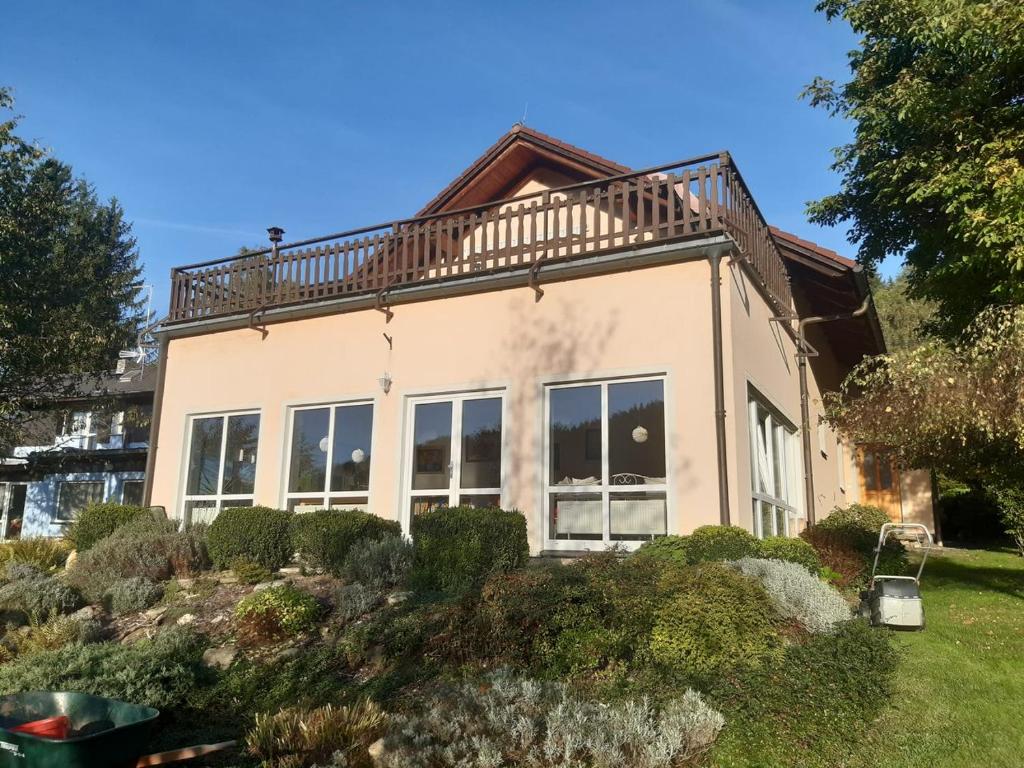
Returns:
<point x="605" y="454"/>
<point x="455" y="455"/>
<point x="774" y="469"/>
<point x="221" y="463"/>
<point x="75" y="495"/>
<point x="329" y="452"/>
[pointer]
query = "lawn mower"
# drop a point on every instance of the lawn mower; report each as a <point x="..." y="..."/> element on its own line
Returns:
<point x="895" y="601"/>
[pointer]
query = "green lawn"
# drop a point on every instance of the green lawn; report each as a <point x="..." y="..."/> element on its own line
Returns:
<point x="959" y="697"/>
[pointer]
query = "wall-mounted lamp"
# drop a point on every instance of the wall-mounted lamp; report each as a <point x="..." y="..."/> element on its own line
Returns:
<point x="385" y="382"/>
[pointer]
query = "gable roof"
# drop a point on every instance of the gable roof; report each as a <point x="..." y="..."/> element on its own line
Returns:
<point x="509" y="159"/>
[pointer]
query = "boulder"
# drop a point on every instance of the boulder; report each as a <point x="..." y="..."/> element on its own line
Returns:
<point x="186" y="619"/>
<point x="220" y="658"/>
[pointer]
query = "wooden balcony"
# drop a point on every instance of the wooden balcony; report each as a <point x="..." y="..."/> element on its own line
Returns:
<point x="685" y="201"/>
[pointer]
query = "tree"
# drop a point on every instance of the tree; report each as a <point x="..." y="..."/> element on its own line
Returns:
<point x="955" y="407"/>
<point x="69" y="279"/>
<point x="905" y="320"/>
<point x="934" y="171"/>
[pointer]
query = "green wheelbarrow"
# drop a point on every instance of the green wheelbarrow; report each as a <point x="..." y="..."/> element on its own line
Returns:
<point x="75" y="730"/>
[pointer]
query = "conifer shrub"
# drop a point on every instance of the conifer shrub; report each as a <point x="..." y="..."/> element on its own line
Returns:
<point x="324" y="538"/>
<point x="97" y="521"/>
<point x="711" y="543"/>
<point x="790" y="549"/>
<point x="259" y="534"/>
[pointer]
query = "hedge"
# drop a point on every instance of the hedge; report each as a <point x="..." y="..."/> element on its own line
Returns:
<point x="323" y="538"/>
<point x="97" y="521"/>
<point x="259" y="534"/>
<point x="455" y="549"/>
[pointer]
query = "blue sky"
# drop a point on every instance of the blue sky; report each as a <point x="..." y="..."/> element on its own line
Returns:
<point x="210" y="121"/>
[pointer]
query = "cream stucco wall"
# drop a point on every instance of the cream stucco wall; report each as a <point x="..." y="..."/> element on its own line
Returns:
<point x="651" y="320"/>
<point x="760" y="354"/>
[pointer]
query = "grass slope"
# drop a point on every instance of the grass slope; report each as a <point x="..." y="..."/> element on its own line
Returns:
<point x="960" y="687"/>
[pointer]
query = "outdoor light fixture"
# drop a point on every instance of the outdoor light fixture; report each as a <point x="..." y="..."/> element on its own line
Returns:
<point x="385" y="382"/>
<point x="275" y="234"/>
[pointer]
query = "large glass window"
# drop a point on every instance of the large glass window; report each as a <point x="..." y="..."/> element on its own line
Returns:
<point x="456" y="452"/>
<point x="221" y="464"/>
<point x="329" y="458"/>
<point x="74" y="496"/>
<point x="774" y="470"/>
<point x="607" y="476"/>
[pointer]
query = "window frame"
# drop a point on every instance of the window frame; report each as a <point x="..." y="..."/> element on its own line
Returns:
<point x="218" y="498"/>
<point x="605" y="488"/>
<point x="136" y="480"/>
<point x="327" y="495"/>
<point x="791" y="466"/>
<point x="453" y="490"/>
<point x="57" y="517"/>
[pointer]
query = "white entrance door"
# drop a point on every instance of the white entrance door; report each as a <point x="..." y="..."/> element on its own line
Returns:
<point x="454" y="455"/>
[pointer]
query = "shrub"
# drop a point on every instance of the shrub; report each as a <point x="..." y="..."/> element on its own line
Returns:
<point x="56" y="632"/>
<point x="44" y="554"/>
<point x="276" y="612"/>
<point x="97" y="521"/>
<point x="720" y="542"/>
<point x="509" y="721"/>
<point x="855" y="528"/>
<point x="259" y="534"/>
<point x="323" y="538"/>
<point x="354" y="600"/>
<point x="1010" y="501"/>
<point x="35" y="595"/>
<point x="132" y="595"/>
<point x="668" y="548"/>
<point x="455" y="549"/>
<point x="796" y="594"/>
<point x="837" y="556"/>
<point x="249" y="572"/>
<point x="827" y="691"/>
<point x="297" y="738"/>
<point x="718" y="620"/>
<point x="382" y="563"/>
<point x="157" y="673"/>
<point x="145" y="548"/>
<point x="859" y="524"/>
<point x="792" y="550"/>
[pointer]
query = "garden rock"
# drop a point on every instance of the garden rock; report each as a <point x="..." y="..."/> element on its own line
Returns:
<point x="270" y="585"/>
<point x="88" y="613"/>
<point x="376" y="752"/>
<point x="185" y="619"/>
<point x="395" y="598"/>
<point x="220" y="658"/>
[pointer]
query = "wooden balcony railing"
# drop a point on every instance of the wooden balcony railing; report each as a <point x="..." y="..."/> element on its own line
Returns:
<point x="689" y="200"/>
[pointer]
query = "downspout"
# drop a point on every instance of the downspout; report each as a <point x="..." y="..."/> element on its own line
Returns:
<point x="154" y="422"/>
<point x="804" y="351"/>
<point x="715" y="260"/>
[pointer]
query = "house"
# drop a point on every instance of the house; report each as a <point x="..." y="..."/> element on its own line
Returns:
<point x="86" y="447"/>
<point x="613" y="352"/>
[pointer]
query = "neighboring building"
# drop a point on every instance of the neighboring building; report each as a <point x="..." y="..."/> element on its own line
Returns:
<point x="612" y="352"/>
<point x="87" y="448"/>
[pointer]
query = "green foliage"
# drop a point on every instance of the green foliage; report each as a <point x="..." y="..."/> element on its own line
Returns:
<point x="43" y="553"/>
<point x="298" y="738"/>
<point x="673" y="549"/>
<point x="56" y="632"/>
<point x="159" y="673"/>
<point x="845" y="566"/>
<point x="824" y="692"/>
<point x="1011" y="510"/>
<point x="860" y="524"/>
<point x="720" y="542"/>
<point x="35" y="595"/>
<point x="69" y="278"/>
<point x="904" y="319"/>
<point x="969" y="513"/>
<point x="132" y="595"/>
<point x="97" y="521"/>
<point x="323" y="538"/>
<point x="145" y="548"/>
<point x="259" y="534"/>
<point x="850" y="530"/>
<point x="456" y="548"/>
<point x="790" y="549"/>
<point x="353" y="600"/>
<point x="249" y="572"/>
<point x="381" y="563"/>
<point x="276" y="613"/>
<point x="717" y="621"/>
<point x="935" y="171"/>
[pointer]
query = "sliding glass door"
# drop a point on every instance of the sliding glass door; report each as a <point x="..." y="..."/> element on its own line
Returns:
<point x="454" y="456"/>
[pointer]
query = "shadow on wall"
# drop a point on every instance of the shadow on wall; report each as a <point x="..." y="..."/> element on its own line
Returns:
<point x="550" y="346"/>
